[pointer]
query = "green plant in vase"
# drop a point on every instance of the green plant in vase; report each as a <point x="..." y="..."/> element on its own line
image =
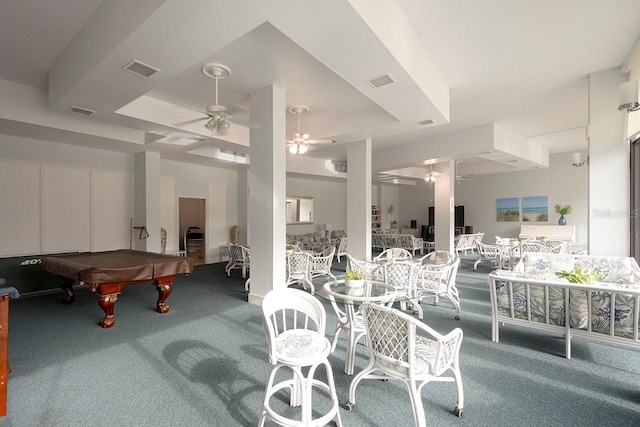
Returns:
<point x="354" y="279"/>
<point x="563" y="210"/>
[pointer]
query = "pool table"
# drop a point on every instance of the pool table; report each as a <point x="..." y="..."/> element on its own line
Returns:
<point x="108" y="272"/>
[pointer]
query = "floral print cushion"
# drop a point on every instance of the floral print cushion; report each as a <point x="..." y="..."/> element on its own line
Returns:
<point x="622" y="318"/>
<point x="615" y="269"/>
<point x="300" y="343"/>
<point x="425" y="354"/>
<point x="542" y="263"/>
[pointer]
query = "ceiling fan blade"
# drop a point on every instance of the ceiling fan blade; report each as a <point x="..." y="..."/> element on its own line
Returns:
<point x="237" y="109"/>
<point x="320" y="141"/>
<point x="187" y="122"/>
<point x="246" y="123"/>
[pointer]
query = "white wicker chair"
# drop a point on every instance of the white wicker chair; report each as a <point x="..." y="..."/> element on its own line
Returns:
<point x="294" y="324"/>
<point x="403" y="276"/>
<point x="439" y="280"/>
<point x="578" y="249"/>
<point x="321" y="263"/>
<point x="404" y="348"/>
<point x="518" y="251"/>
<point x="393" y="254"/>
<point x="376" y="242"/>
<point x="239" y="257"/>
<point x="491" y="253"/>
<point x="299" y="270"/>
<point x="342" y="248"/>
<point x="370" y="269"/>
<point x="556" y="246"/>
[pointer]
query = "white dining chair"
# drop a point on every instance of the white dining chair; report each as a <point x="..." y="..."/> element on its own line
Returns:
<point x="321" y="264"/>
<point x="439" y="281"/>
<point x="404" y="348"/>
<point x="299" y="270"/>
<point x="403" y="276"/>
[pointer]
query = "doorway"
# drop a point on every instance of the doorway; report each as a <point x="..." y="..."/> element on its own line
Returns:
<point x="192" y="226"/>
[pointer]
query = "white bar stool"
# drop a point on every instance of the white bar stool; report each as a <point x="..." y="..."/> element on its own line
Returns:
<point x="295" y="325"/>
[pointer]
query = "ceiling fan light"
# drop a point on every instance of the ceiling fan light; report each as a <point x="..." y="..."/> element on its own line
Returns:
<point x="302" y="148"/>
<point x="225" y="125"/>
<point x="293" y="148"/>
<point x="211" y="125"/>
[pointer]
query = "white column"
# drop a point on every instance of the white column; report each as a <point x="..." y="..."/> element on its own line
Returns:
<point x="359" y="199"/>
<point x="267" y="192"/>
<point x="444" y="207"/>
<point x="243" y="205"/>
<point x="147" y="201"/>
<point x="608" y="151"/>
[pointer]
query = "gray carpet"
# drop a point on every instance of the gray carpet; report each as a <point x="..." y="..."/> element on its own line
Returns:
<point x="205" y="364"/>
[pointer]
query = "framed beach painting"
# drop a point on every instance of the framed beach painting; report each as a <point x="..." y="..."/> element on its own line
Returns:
<point x="535" y="209"/>
<point x="508" y="209"/>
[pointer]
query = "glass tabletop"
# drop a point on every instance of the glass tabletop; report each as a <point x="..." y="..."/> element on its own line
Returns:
<point x="370" y="291"/>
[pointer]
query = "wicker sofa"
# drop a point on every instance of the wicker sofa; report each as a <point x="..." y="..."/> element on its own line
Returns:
<point x="309" y="241"/>
<point x="533" y="296"/>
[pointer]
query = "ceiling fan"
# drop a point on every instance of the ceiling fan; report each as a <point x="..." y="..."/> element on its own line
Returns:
<point x="299" y="144"/>
<point x="219" y="121"/>
<point x="217" y="116"/>
<point x="461" y="178"/>
<point x="431" y="175"/>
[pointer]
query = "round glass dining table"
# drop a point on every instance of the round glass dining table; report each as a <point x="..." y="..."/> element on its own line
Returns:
<point x="370" y="291"/>
<point x="347" y="297"/>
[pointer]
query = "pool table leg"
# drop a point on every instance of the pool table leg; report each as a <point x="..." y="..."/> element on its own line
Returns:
<point x="163" y="285"/>
<point x="107" y="303"/>
<point x="67" y="287"/>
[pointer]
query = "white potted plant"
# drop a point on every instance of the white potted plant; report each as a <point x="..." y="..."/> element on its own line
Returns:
<point x="354" y="279"/>
<point x="289" y="249"/>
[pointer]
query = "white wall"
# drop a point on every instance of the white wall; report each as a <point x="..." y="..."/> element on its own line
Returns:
<point x="390" y="195"/>
<point x="60" y="197"/>
<point x="414" y="203"/>
<point x="561" y="182"/>
<point x="329" y="203"/>
<point x="63" y="198"/>
<point x="218" y="186"/>
<point x="608" y="151"/>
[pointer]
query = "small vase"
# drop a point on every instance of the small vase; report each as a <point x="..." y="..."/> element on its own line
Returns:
<point x="350" y="283"/>
<point x="562" y="220"/>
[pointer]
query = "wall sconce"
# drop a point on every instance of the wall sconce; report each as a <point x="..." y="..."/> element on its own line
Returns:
<point x="577" y="160"/>
<point x="629" y="96"/>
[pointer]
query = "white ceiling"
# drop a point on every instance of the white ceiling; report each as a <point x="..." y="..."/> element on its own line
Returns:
<point x="520" y="64"/>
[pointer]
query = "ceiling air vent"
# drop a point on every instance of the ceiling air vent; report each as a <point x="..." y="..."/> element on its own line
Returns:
<point x="382" y="80"/>
<point x="233" y="153"/>
<point x="425" y="122"/>
<point x="140" y="69"/>
<point x="83" y="111"/>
